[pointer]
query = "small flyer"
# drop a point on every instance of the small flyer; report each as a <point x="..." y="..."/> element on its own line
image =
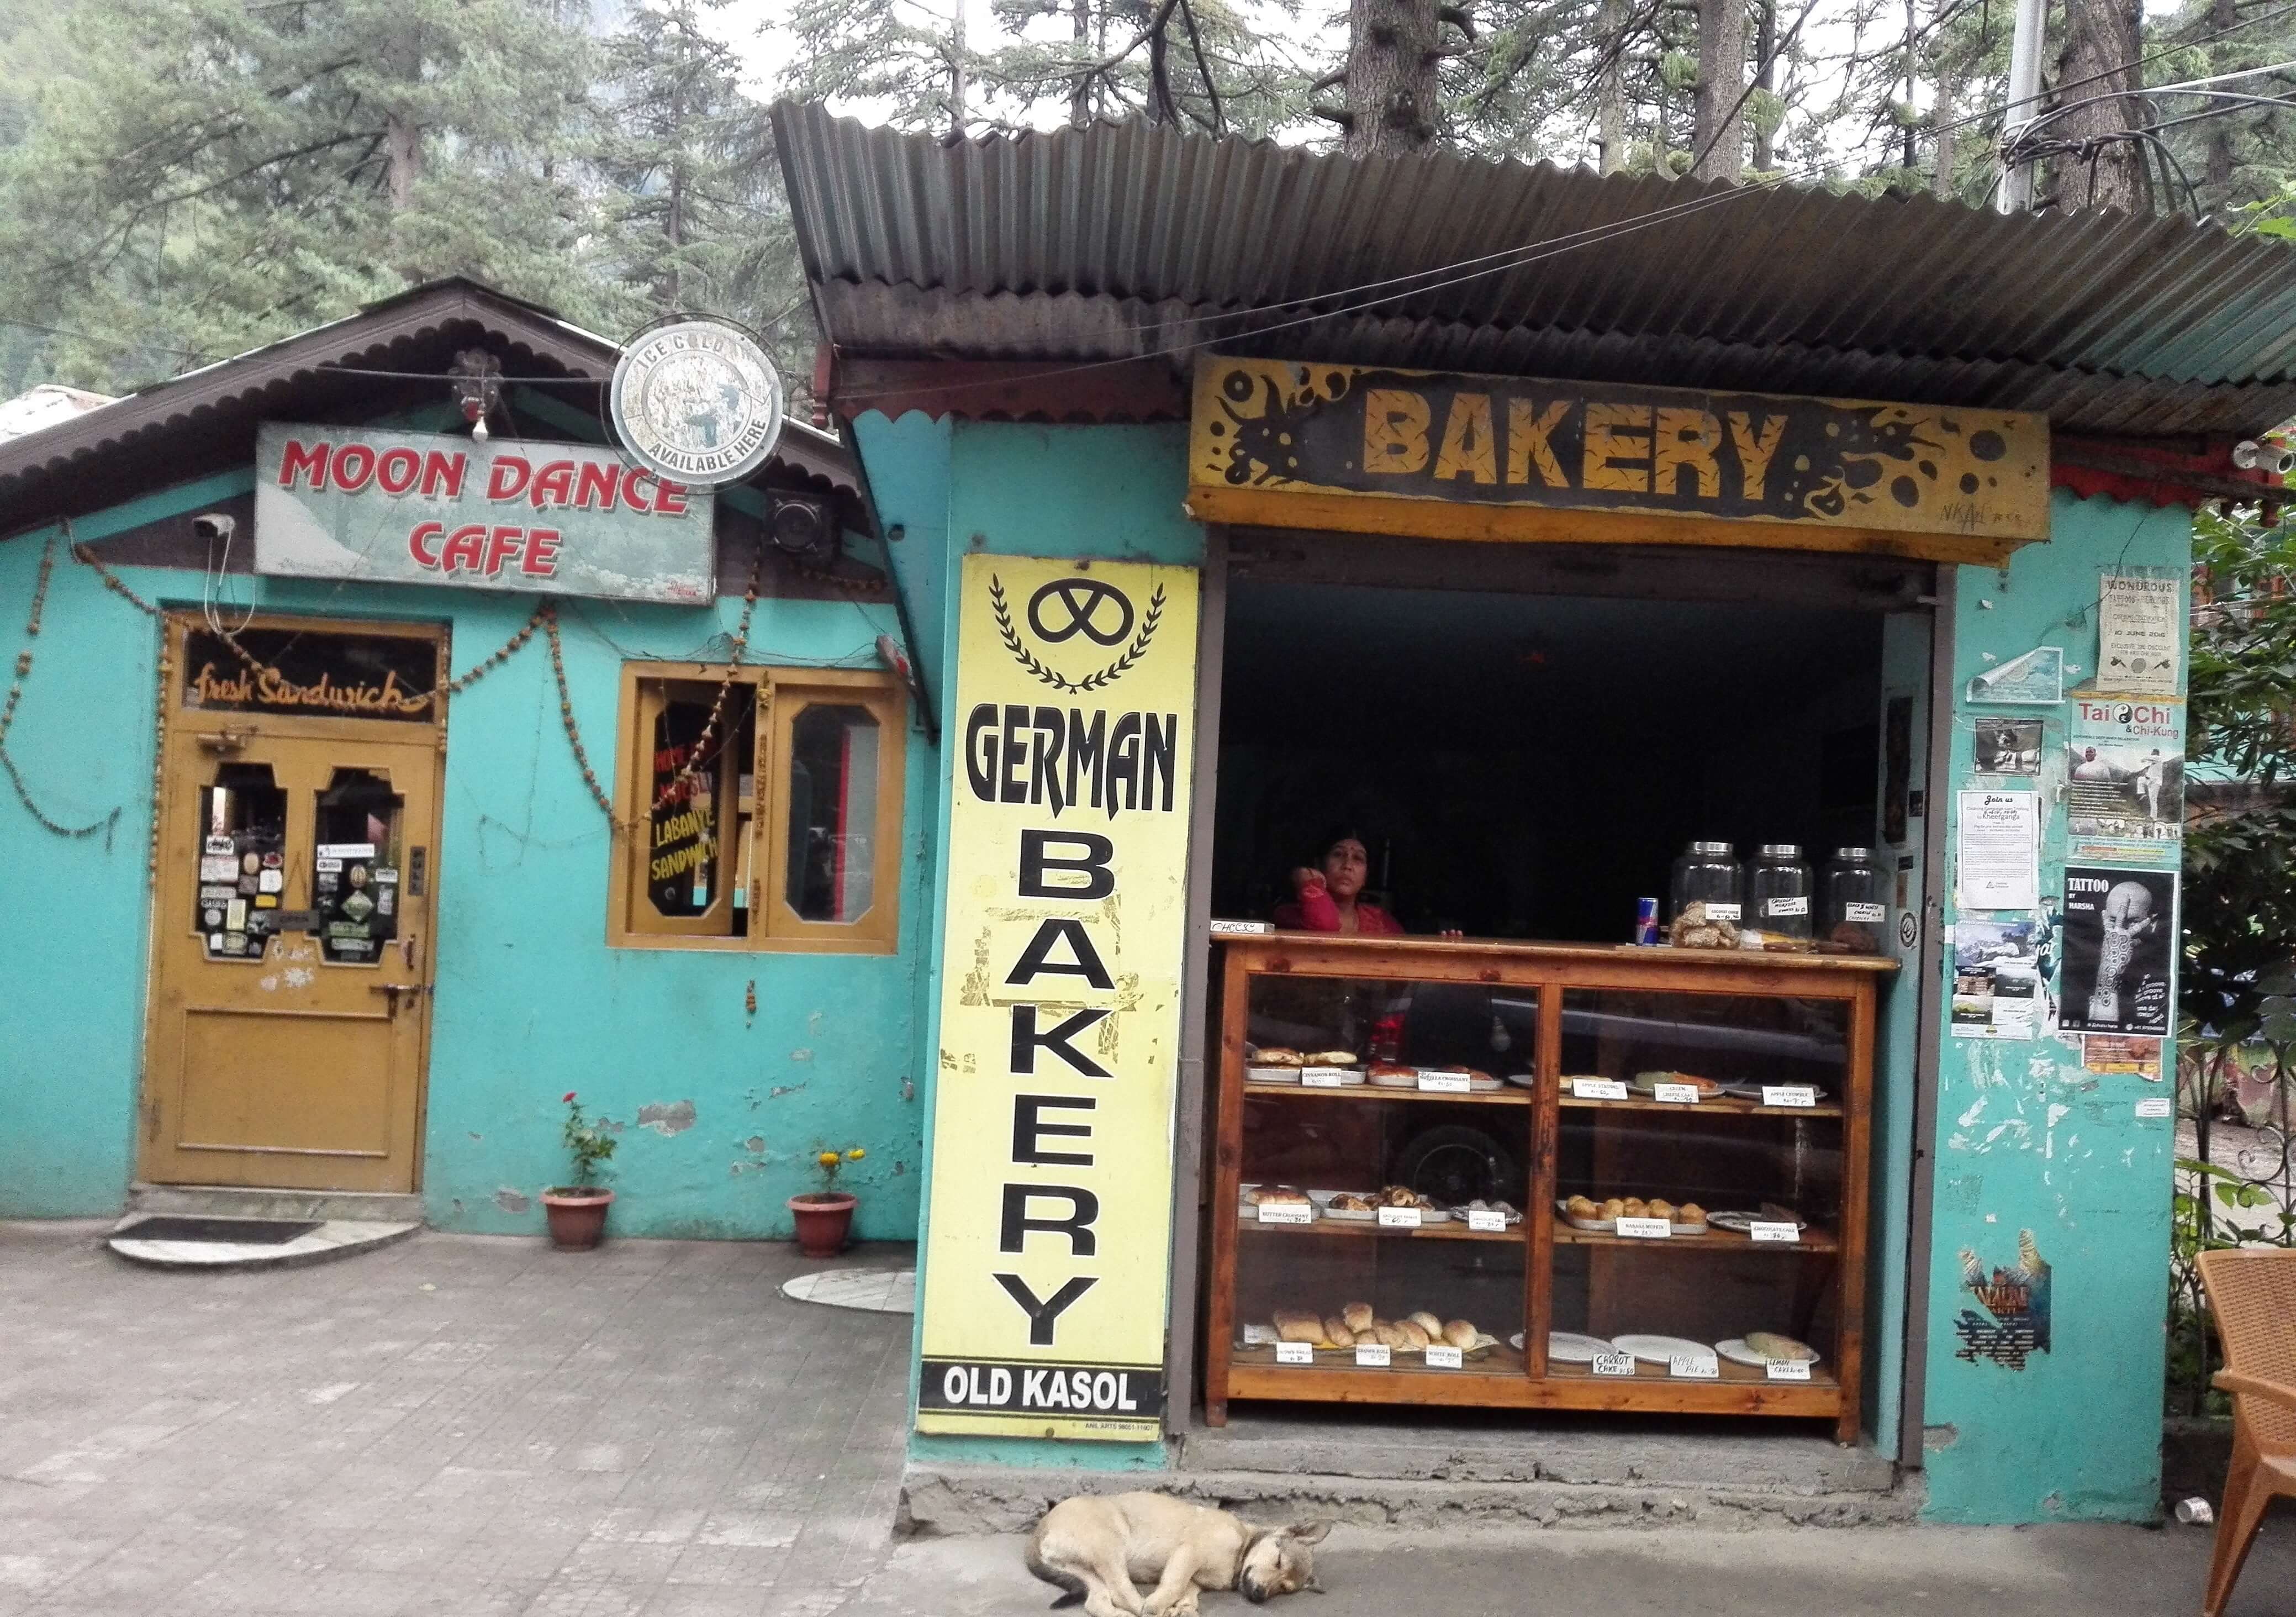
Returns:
<point x="2122" y="1052"/>
<point x="1999" y="863"/>
<point x="2035" y="679"/>
<point x="1997" y="979"/>
<point x="2124" y="781"/>
<point x="2008" y="746"/>
<point x="2140" y="633"/>
<point x="2119" y="942"/>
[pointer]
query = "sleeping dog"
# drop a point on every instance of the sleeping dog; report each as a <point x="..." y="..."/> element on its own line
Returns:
<point x="1098" y="1549"/>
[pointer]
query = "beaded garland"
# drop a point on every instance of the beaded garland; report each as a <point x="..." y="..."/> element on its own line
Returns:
<point x="16" y="696"/>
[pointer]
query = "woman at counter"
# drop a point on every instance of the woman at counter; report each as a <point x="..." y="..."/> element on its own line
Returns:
<point x="1328" y="898"/>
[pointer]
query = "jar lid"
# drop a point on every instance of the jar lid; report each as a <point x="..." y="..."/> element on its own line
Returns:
<point x="1710" y="847"/>
<point x="1782" y="850"/>
<point x="1853" y="853"/>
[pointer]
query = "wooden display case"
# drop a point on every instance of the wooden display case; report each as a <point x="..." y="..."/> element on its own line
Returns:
<point x="1765" y="1025"/>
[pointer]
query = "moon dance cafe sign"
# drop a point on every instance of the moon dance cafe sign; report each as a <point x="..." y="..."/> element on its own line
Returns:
<point x="1279" y="443"/>
<point x="429" y="508"/>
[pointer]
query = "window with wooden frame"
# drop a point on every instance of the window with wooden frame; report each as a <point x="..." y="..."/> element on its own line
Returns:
<point x="762" y="814"/>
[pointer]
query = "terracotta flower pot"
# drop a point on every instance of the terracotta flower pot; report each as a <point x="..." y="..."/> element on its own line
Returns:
<point x="577" y="1215"/>
<point x="823" y="1220"/>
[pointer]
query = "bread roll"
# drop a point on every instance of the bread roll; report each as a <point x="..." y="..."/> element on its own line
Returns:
<point x="1462" y="1334"/>
<point x="1357" y="1316"/>
<point x="1295" y="1325"/>
<point x="1413" y="1333"/>
<point x="1432" y="1323"/>
<point x="1337" y="1334"/>
<point x="1388" y="1332"/>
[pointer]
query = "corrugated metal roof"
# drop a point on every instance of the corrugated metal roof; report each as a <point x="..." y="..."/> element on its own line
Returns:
<point x="1123" y="240"/>
<point x="188" y="424"/>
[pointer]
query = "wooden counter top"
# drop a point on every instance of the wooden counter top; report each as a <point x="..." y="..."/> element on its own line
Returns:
<point x="1520" y="949"/>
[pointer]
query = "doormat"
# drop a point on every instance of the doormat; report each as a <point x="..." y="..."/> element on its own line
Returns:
<point x="237" y="1232"/>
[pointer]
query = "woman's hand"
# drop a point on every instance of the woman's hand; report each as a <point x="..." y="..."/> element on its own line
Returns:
<point x="1306" y="880"/>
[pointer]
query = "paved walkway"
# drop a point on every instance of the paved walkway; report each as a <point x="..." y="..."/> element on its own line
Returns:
<point x="467" y="1426"/>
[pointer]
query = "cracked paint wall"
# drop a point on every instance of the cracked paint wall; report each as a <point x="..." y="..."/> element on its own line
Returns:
<point x="530" y="1001"/>
<point x="2043" y="1170"/>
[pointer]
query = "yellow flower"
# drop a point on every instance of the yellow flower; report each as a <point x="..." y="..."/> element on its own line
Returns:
<point x="828" y="1159"/>
<point x="856" y="1155"/>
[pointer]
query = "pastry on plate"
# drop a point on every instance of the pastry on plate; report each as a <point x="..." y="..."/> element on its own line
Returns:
<point x="1278" y="1056"/>
<point x="1429" y="1322"/>
<point x="1392" y="1070"/>
<point x="1337" y="1335"/>
<point x="1349" y="1202"/>
<point x="1769" y="1344"/>
<point x="1332" y="1058"/>
<point x="1357" y="1317"/>
<point x="1400" y="1195"/>
<point x="1690" y="1212"/>
<point x="1579" y="1207"/>
<point x="1612" y="1208"/>
<point x="1657" y="1209"/>
<point x="1413" y="1333"/>
<point x="1461" y="1333"/>
<point x="1635" y="1207"/>
<point x="1298" y="1324"/>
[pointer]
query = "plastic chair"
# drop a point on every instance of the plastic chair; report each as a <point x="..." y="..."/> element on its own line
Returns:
<point x="2252" y="1293"/>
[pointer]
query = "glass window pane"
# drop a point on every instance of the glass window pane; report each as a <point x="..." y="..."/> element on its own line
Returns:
<point x="684" y="849"/>
<point x="832" y="813"/>
<point x="242" y="860"/>
<point x="355" y="867"/>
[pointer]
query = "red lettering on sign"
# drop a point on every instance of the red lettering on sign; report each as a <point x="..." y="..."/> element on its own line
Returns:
<point x="442" y="473"/>
<point x="630" y="489"/>
<point x="466" y="547"/>
<point x="396" y="472"/>
<point x="554" y="485"/>
<point x="502" y="545"/>
<point x="598" y="483"/>
<point x="415" y="542"/>
<point x="508" y="479"/>
<point x="541" y="553"/>
<point x="300" y="459"/>
<point x="671" y="501"/>
<point x="354" y="463"/>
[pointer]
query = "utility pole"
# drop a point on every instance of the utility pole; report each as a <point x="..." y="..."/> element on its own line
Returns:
<point x="2016" y="192"/>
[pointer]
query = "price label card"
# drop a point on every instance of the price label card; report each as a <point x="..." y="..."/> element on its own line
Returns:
<point x="1866" y="912"/>
<point x="1443" y="1083"/>
<point x="1789" y="1095"/>
<point x="1786" y="1369"/>
<point x="1372" y="1355"/>
<point x="1763" y="1230"/>
<point x="1489" y="1223"/>
<point x="1676" y="1095"/>
<point x="1295" y="1353"/>
<point x="1323" y="1078"/>
<point x="1597" y="1089"/>
<point x="1645" y="1229"/>
<point x="2156" y="1105"/>
<point x="1694" y="1366"/>
<point x="1614" y="1363"/>
<point x="1398" y="1217"/>
<point x="1786" y="907"/>
<point x="1269" y="1214"/>
<point x="1446" y="1359"/>
<point x="1259" y="1336"/>
<point x="1721" y="912"/>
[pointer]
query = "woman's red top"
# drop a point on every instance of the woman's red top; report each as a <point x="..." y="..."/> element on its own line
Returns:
<point x="1319" y="912"/>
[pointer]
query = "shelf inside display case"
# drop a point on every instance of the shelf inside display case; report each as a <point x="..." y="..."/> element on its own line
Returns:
<point x="1686" y="1055"/>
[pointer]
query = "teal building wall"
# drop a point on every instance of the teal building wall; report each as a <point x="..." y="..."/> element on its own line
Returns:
<point x="718" y="1111"/>
<point x="2026" y="1139"/>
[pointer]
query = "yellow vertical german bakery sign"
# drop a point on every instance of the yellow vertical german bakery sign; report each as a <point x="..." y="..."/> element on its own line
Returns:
<point x="1050" y="1220"/>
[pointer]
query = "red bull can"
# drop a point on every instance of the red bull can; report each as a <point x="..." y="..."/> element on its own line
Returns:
<point x="1645" y="921"/>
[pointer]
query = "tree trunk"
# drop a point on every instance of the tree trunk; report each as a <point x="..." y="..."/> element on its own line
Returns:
<point x="2224" y="14"/>
<point x="1611" y="103"/>
<point x="1941" y="182"/>
<point x="1718" y="121"/>
<point x="1080" y="87"/>
<point x="956" y="116"/>
<point x="1766" y="78"/>
<point x="2100" y="42"/>
<point x="1390" y="77"/>
<point x="1912" y="33"/>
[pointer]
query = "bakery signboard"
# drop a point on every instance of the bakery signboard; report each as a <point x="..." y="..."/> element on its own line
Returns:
<point x="1050" y="1222"/>
<point x="428" y="508"/>
<point x="1279" y="443"/>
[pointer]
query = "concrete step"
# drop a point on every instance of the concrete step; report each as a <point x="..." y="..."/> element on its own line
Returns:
<point x="953" y="1499"/>
<point x="333" y="1238"/>
<point x="231" y="1201"/>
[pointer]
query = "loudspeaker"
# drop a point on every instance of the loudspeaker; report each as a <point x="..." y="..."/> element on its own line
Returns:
<point x="803" y="529"/>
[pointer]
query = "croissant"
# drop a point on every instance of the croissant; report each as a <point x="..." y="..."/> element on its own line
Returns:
<point x="1462" y="1334"/>
<point x="1357" y="1317"/>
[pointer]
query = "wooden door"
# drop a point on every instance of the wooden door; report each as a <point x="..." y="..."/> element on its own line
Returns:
<point x="292" y="960"/>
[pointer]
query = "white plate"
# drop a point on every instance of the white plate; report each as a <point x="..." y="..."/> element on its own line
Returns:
<point x="1742" y="1223"/>
<point x="1483" y="1086"/>
<point x="1660" y="1350"/>
<point x="1738" y="1353"/>
<point x="1322" y="1200"/>
<point x="1523" y="1081"/>
<point x="1570" y="1348"/>
<point x="1643" y="1084"/>
<point x="1337" y="1216"/>
<point x="1514" y="1217"/>
<point x="1753" y="1092"/>
<point x="1272" y="1075"/>
<point x="1598" y="1227"/>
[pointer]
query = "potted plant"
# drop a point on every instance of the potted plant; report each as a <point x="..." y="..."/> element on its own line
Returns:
<point x="824" y="1217"/>
<point x="578" y="1211"/>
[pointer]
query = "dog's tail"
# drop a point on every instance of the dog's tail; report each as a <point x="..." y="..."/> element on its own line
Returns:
<point x="1069" y="1582"/>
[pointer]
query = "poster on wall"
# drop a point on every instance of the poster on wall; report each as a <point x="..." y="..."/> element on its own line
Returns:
<point x="2035" y="679"/>
<point x="2140" y="633"/>
<point x="2123" y="1052"/>
<point x="1997" y="979"/>
<point x="1045" y="1269"/>
<point x="2007" y="746"/>
<point x="1999" y="862"/>
<point x="2124" y="781"/>
<point x="2120" y="946"/>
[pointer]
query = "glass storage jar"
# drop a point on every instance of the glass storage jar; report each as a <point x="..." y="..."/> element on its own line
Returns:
<point x="1708" y="874"/>
<point x="1857" y="903"/>
<point x="1779" y="888"/>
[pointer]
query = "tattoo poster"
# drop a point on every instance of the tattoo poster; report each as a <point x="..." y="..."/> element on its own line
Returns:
<point x="1999" y="863"/>
<point x="2008" y="746"/>
<point x="1997" y="979"/>
<point x="2036" y="680"/>
<point x="2127" y="1052"/>
<point x="2140" y="633"/>
<point x="2120" y="941"/>
<point x="2124" y="781"/>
